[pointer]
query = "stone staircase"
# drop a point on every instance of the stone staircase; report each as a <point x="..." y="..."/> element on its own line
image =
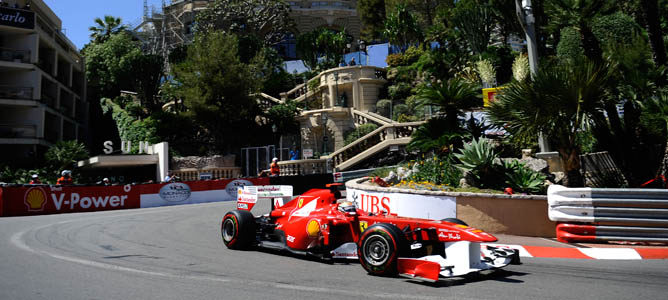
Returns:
<point x="388" y="134"/>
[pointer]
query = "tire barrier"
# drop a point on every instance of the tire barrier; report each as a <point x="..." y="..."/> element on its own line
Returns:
<point x="597" y="214"/>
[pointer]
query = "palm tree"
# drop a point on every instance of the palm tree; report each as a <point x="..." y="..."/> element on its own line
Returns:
<point x="435" y="135"/>
<point x="402" y="28"/>
<point x="558" y="102"/>
<point x="105" y="28"/>
<point x="655" y="117"/>
<point x="451" y="98"/>
<point x="579" y="15"/>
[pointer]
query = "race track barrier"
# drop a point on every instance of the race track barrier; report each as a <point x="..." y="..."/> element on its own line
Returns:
<point x="598" y="214"/>
<point x="25" y="200"/>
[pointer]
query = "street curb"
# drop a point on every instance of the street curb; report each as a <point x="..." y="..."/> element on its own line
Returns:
<point x="588" y="253"/>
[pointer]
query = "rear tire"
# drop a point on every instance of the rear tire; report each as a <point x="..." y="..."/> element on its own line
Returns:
<point x="379" y="247"/>
<point x="456" y="221"/>
<point x="238" y="229"/>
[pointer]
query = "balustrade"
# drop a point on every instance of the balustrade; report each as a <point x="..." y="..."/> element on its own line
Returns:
<point x="303" y="167"/>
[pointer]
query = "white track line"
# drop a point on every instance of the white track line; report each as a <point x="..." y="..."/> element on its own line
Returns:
<point x="17" y="240"/>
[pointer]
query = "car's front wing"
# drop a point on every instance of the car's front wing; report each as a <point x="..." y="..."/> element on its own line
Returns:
<point x="461" y="258"/>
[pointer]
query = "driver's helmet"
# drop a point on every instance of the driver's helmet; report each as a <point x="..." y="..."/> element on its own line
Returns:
<point x="347" y="207"/>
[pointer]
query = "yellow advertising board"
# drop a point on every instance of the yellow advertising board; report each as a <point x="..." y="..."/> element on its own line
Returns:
<point x="490" y="94"/>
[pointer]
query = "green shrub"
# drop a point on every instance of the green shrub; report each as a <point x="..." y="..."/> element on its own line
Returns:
<point x="476" y="155"/>
<point x="570" y="46"/>
<point x="359" y="132"/>
<point x="477" y="158"/>
<point x="383" y="107"/>
<point x="399" y="91"/>
<point x="394" y="60"/>
<point x="522" y="179"/>
<point x="412" y="55"/>
<point x="437" y="170"/>
<point x="400" y="109"/>
<point x="314" y="83"/>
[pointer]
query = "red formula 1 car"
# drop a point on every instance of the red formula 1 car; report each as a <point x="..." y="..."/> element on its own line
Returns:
<point x="318" y="223"/>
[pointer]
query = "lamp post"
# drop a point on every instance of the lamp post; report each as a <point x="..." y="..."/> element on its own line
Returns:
<point x="524" y="12"/>
<point x="336" y="79"/>
<point x="348" y="46"/>
<point x="324" y="133"/>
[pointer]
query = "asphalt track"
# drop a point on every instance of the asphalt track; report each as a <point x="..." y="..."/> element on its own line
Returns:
<point x="176" y="253"/>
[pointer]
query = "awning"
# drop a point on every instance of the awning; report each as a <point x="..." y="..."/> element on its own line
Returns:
<point x="106" y="161"/>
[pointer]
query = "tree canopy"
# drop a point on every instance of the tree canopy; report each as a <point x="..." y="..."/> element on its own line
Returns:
<point x="267" y="20"/>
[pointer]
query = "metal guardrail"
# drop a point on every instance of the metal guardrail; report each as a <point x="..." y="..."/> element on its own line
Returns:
<point x="590" y="214"/>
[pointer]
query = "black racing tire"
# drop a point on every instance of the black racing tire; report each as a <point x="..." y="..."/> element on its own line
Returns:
<point x="379" y="247"/>
<point x="456" y="221"/>
<point x="238" y="229"/>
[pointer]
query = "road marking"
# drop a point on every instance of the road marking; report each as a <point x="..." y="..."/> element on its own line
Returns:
<point x="611" y="253"/>
<point x="17" y="240"/>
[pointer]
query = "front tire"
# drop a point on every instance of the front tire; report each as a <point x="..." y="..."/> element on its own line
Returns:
<point x="238" y="229"/>
<point x="379" y="247"/>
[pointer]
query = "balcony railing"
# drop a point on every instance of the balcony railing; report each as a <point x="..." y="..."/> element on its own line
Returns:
<point x="22" y="56"/>
<point x="16" y="131"/>
<point x="15" y="92"/>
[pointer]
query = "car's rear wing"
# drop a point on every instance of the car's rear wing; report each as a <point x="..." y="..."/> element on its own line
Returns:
<point x="248" y="196"/>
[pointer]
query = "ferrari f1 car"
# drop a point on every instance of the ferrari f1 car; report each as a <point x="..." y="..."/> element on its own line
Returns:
<point x="318" y="223"/>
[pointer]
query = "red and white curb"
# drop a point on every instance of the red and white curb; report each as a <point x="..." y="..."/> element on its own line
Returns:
<point x="589" y="253"/>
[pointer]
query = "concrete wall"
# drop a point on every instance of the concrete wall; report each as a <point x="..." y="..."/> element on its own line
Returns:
<point x="524" y="215"/>
<point x="517" y="216"/>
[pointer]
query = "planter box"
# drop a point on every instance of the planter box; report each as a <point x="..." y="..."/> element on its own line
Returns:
<point x="524" y="215"/>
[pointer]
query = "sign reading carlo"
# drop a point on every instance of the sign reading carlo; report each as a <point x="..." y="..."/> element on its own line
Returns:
<point x="17" y="18"/>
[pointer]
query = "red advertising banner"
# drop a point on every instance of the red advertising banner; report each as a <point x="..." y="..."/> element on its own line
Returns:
<point x="40" y="200"/>
<point x="43" y="199"/>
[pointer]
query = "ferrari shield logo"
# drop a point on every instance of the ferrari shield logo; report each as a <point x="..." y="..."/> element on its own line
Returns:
<point x="363" y="225"/>
<point x="301" y="203"/>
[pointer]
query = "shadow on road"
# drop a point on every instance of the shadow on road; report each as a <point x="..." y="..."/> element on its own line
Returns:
<point x="496" y="275"/>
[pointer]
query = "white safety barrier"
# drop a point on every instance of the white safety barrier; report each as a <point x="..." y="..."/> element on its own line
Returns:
<point x="637" y="214"/>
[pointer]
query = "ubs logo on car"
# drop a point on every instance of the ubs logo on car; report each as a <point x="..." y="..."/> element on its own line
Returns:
<point x="175" y="192"/>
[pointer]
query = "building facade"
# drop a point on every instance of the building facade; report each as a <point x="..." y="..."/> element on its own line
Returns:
<point x="173" y="24"/>
<point x="42" y="83"/>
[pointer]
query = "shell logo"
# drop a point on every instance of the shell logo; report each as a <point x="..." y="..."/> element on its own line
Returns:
<point x="313" y="228"/>
<point x="35" y="199"/>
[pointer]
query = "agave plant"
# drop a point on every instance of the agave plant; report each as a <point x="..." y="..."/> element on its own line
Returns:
<point x="523" y="179"/>
<point x="477" y="158"/>
<point x="477" y="155"/>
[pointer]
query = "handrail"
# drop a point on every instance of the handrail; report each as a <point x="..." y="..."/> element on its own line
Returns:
<point x="385" y="132"/>
<point x="361" y="117"/>
<point x="268" y="97"/>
